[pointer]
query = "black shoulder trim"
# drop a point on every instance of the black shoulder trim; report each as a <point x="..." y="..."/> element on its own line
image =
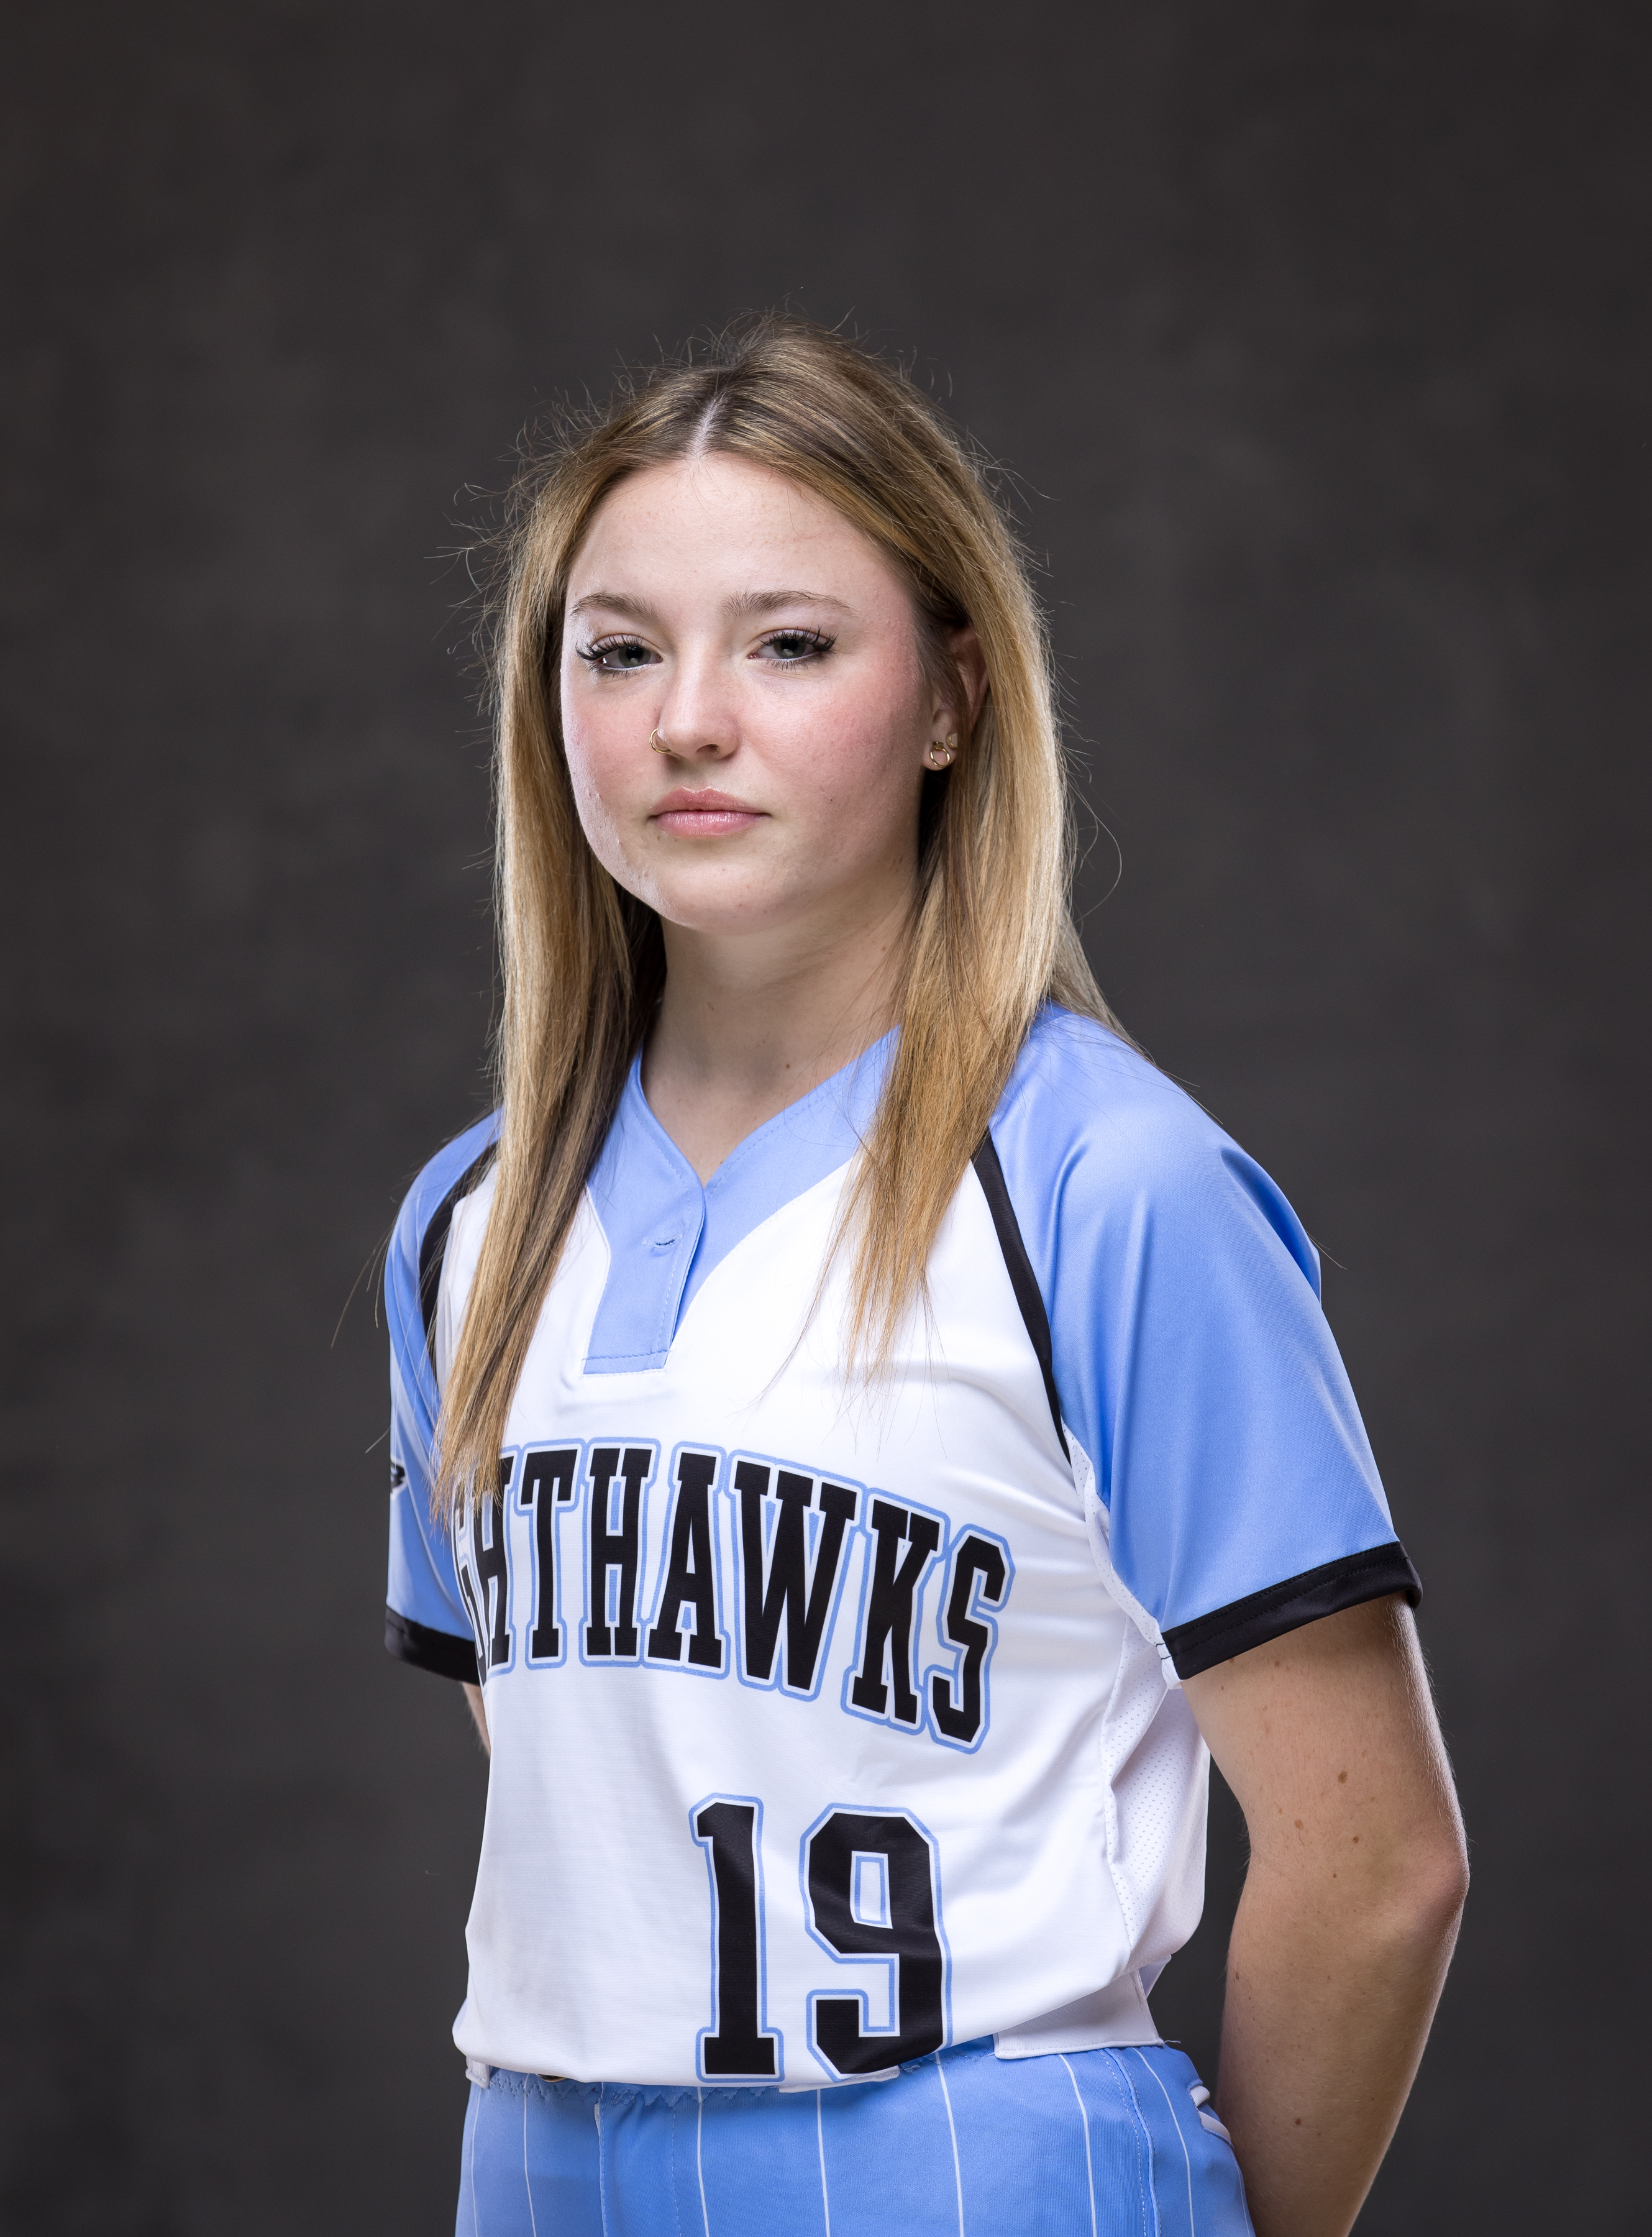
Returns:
<point x="443" y="1652"/>
<point x="1226" y="1632"/>
<point x="433" y="1250"/>
<point x="1022" y="1280"/>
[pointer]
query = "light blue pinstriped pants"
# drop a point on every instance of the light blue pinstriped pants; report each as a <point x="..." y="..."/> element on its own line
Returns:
<point x="1096" y="2143"/>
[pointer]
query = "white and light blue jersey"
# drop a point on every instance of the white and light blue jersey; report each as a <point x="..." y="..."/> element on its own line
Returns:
<point x="834" y="1724"/>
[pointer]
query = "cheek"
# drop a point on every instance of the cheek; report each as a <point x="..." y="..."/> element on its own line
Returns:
<point x="583" y="739"/>
<point x="864" y="773"/>
<point x="602" y="771"/>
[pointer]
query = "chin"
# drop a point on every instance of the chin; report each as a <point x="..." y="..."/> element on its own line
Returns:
<point x="725" y="923"/>
<point x="720" y="904"/>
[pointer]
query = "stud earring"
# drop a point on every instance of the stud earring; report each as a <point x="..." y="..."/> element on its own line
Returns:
<point x="941" y="752"/>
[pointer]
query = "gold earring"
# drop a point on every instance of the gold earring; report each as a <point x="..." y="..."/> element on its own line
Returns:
<point x="654" y="740"/>
<point x="941" y="752"/>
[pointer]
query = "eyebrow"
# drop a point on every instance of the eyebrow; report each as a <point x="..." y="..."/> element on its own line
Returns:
<point x="769" y="602"/>
<point x="743" y="603"/>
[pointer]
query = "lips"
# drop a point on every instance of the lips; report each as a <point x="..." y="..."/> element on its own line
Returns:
<point x="699" y="813"/>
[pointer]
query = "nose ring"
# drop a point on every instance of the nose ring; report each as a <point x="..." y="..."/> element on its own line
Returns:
<point x="654" y="741"/>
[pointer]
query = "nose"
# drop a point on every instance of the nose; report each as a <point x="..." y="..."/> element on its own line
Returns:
<point x="696" y="720"/>
<point x="682" y="750"/>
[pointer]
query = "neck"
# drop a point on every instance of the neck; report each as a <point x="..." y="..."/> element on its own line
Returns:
<point x="748" y="1024"/>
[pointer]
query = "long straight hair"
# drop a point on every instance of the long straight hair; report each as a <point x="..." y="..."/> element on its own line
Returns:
<point x="990" y="938"/>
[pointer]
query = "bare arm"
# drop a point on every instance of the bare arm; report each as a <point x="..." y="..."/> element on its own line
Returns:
<point x="1357" y="1874"/>
<point x="473" y="1698"/>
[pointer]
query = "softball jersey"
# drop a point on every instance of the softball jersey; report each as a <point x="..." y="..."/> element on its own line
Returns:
<point x="834" y="1724"/>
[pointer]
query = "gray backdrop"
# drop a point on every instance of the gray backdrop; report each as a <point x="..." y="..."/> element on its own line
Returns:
<point x="1317" y="337"/>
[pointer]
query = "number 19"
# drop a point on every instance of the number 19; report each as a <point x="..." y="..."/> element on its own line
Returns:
<point x="842" y="1856"/>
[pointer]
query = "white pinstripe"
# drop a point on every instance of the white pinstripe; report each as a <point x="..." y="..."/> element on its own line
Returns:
<point x="1084" y="2119"/>
<point x="1125" y="2088"/>
<point x="819" y="2138"/>
<point x="476" y="2132"/>
<point x="1193" y="2225"/>
<point x="957" y="2172"/>
<point x="699" y="2164"/>
<point x="601" y="2171"/>
<point x="527" y="2180"/>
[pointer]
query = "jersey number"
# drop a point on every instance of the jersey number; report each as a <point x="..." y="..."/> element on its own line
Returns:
<point x="734" y="2044"/>
<point x="870" y="1882"/>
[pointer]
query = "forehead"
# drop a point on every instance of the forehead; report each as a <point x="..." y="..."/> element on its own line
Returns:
<point x="726" y="522"/>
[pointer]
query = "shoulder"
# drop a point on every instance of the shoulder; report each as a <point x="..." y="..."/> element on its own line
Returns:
<point x="448" y="1176"/>
<point x="1093" y="1137"/>
<point x="1100" y="1095"/>
<point x="413" y="1267"/>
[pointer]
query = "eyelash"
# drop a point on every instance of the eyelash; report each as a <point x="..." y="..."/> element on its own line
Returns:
<point x="594" y="654"/>
<point x="817" y="644"/>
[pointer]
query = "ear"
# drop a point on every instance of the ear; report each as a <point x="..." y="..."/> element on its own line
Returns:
<point x="966" y="649"/>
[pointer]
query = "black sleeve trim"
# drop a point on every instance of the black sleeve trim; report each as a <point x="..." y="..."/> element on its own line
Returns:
<point x="1022" y="1280"/>
<point x="1344" y="1584"/>
<point x="432" y="1249"/>
<point x="443" y="1652"/>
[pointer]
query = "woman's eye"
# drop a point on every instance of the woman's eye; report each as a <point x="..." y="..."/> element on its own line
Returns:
<point x="616" y="654"/>
<point x="789" y="646"/>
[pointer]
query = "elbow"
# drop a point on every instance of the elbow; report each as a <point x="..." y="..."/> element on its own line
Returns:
<point x="1448" y="1889"/>
<point x="1426" y="1898"/>
<point x="1400" y="1904"/>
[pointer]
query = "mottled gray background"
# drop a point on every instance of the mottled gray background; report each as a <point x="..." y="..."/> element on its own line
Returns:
<point x="1317" y="335"/>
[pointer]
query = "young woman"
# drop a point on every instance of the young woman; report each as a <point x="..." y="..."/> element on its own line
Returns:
<point x="861" y="1435"/>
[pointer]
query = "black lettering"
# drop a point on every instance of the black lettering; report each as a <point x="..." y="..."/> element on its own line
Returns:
<point x="490" y="1554"/>
<point x="733" y="2045"/>
<point x="889" y="1609"/>
<point x="976" y="1557"/>
<point x="788" y="1590"/>
<point x="546" y="1482"/>
<point x="911" y="1938"/>
<point x="468" y="1596"/>
<point x="691" y="1574"/>
<point x="615" y="1549"/>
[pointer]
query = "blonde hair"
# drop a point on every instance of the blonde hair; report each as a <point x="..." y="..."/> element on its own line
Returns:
<point x="990" y="937"/>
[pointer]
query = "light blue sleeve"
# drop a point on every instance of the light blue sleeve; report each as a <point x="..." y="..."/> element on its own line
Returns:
<point x="426" y="1620"/>
<point x="1192" y="1358"/>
